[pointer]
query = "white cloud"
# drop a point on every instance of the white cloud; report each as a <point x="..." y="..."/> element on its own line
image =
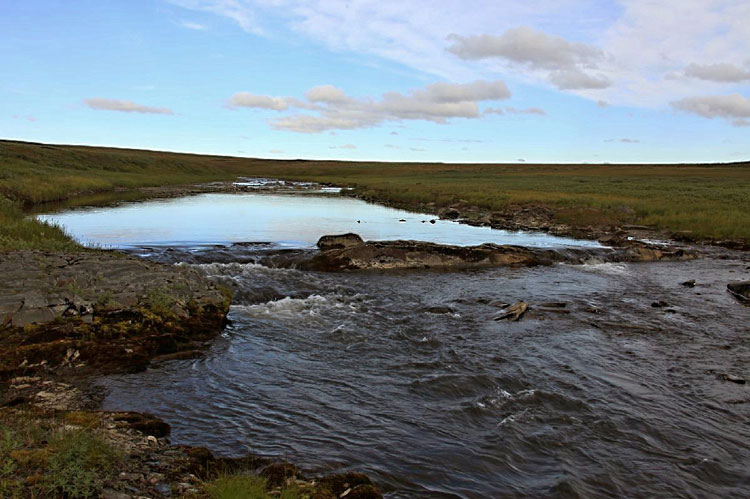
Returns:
<point x="623" y="51"/>
<point x="527" y="46"/>
<point x="124" y="106"/>
<point x="240" y="11"/>
<point x="246" y="99"/>
<point x="574" y="79"/>
<point x="537" y="50"/>
<point x="334" y="110"/>
<point x="528" y="110"/>
<point x="345" y="146"/>
<point x="720" y="72"/>
<point x="733" y="107"/>
<point x="326" y="93"/>
<point x="624" y="141"/>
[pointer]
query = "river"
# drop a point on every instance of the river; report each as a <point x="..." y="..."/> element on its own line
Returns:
<point x="612" y="385"/>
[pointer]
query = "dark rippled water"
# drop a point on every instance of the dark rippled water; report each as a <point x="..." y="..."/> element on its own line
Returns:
<point x="360" y="371"/>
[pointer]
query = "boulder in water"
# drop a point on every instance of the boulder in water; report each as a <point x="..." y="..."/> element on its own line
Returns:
<point x="740" y="290"/>
<point x="340" y="241"/>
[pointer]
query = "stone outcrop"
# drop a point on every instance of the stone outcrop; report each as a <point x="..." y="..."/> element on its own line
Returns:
<point x="416" y="254"/>
<point x="101" y="310"/>
<point x="339" y="241"/>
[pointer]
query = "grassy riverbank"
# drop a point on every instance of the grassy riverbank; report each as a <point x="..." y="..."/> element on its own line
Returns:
<point x="706" y="201"/>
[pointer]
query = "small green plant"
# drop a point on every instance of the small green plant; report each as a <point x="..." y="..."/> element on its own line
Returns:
<point x="79" y="461"/>
<point x="105" y="299"/>
<point x="237" y="487"/>
<point x="159" y="301"/>
<point x="244" y="486"/>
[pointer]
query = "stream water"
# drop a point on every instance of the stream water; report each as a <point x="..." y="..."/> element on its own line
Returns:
<point x="407" y="377"/>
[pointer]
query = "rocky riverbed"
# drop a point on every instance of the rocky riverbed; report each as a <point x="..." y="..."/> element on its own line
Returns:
<point x="68" y="318"/>
<point x="351" y="252"/>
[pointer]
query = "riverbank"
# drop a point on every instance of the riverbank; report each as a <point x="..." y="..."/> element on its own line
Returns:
<point x="103" y="312"/>
<point x="69" y="318"/>
<point x="695" y="203"/>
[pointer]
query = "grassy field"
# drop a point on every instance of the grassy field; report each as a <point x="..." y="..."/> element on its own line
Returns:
<point x="707" y="200"/>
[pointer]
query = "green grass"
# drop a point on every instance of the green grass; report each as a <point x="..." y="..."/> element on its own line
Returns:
<point x="707" y="200"/>
<point x="243" y="486"/>
<point x="38" y="458"/>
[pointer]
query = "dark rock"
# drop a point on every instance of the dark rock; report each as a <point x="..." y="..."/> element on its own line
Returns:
<point x="364" y="492"/>
<point x="164" y="489"/>
<point x="733" y="379"/>
<point x="659" y="304"/>
<point x="498" y="304"/>
<point x="278" y="474"/>
<point x="449" y="213"/>
<point x="689" y="284"/>
<point x="147" y="424"/>
<point x="339" y="241"/>
<point x="348" y="252"/>
<point x="553" y="310"/>
<point x="432" y="221"/>
<point x="338" y="484"/>
<point x="740" y="290"/>
<point x="440" y="309"/>
<point x="554" y="304"/>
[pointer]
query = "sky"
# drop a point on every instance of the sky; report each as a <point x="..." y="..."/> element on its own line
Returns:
<point x="391" y="80"/>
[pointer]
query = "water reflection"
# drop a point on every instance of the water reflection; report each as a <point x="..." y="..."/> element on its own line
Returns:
<point x="286" y="219"/>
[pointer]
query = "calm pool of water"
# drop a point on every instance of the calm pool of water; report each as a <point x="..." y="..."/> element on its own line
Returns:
<point x="286" y="219"/>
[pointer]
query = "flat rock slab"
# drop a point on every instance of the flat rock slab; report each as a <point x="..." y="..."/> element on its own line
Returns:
<point x="103" y="310"/>
<point x="383" y="255"/>
<point x="40" y="286"/>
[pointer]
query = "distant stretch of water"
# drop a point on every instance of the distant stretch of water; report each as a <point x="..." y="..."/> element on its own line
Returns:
<point x="287" y="219"/>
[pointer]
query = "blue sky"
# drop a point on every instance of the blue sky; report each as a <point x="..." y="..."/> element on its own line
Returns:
<point x="453" y="81"/>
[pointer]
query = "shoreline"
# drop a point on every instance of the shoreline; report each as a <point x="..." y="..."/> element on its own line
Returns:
<point x="63" y="338"/>
<point x="519" y="217"/>
<point x="55" y="387"/>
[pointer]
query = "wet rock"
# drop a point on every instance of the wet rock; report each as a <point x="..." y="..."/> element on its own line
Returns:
<point x="362" y="492"/>
<point x="688" y="284"/>
<point x="740" y="290"/>
<point x="440" y="309"/>
<point x="498" y="304"/>
<point x="418" y="254"/>
<point x="278" y="474"/>
<point x="339" y="241"/>
<point x="449" y="213"/>
<point x="147" y="424"/>
<point x="733" y="379"/>
<point x="339" y="484"/>
<point x="552" y="310"/>
<point x="514" y="312"/>
<point x="348" y="252"/>
<point x="659" y="304"/>
<point x="553" y="304"/>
